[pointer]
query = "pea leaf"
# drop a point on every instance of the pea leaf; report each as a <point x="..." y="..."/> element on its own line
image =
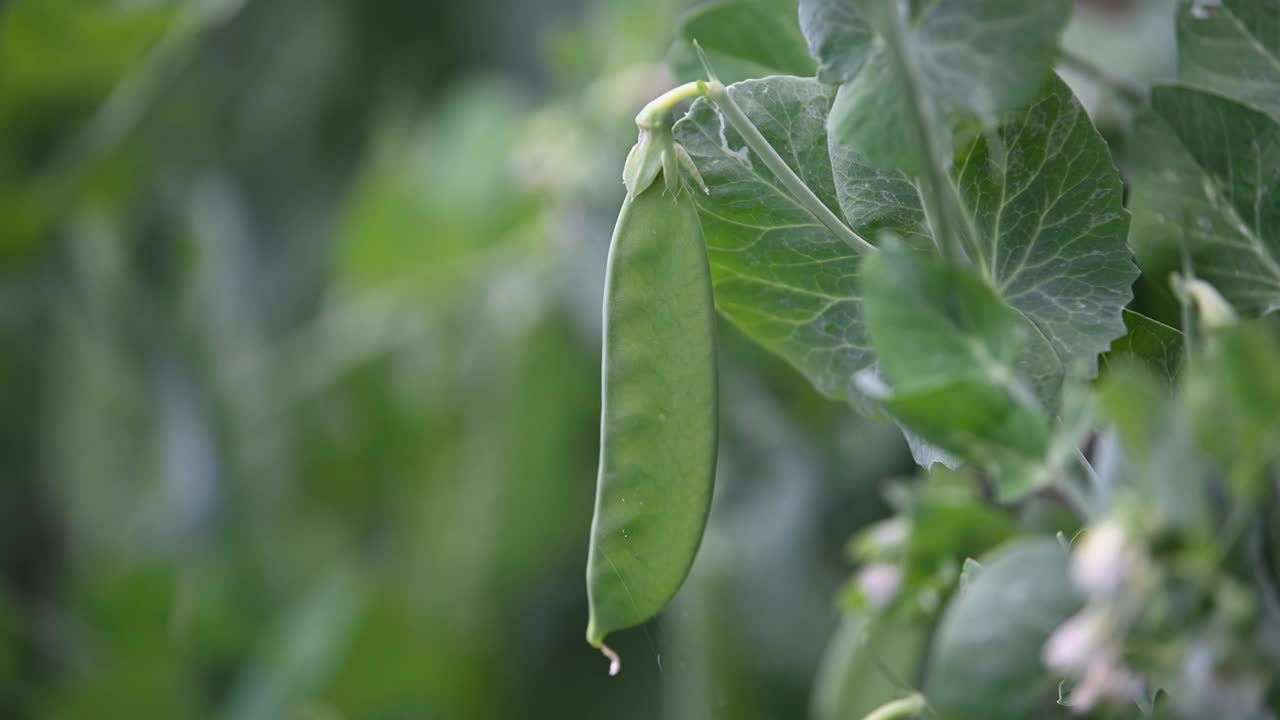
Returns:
<point x="1205" y="178"/>
<point x="762" y="33"/>
<point x="838" y="36"/>
<point x="951" y="347"/>
<point x="986" y="654"/>
<point x="777" y="272"/>
<point x="986" y="57"/>
<point x="1232" y="49"/>
<point x="1047" y="205"/>
<point x="1043" y="193"/>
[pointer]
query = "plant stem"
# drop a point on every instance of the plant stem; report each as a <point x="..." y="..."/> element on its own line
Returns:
<point x="615" y="662"/>
<point x="906" y="707"/>
<point x="1184" y="303"/>
<point x="733" y="113"/>
<point x="935" y="215"/>
<point x="938" y="195"/>
<point x="1095" y="482"/>
<point x="658" y="109"/>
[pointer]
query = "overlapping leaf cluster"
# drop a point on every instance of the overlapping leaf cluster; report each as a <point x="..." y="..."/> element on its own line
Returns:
<point x="1007" y="257"/>
<point x="1018" y="180"/>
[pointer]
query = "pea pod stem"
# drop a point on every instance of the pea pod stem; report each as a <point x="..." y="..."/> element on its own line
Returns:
<point x="615" y="662"/>
<point x="659" y="109"/>
<point x="719" y="95"/>
<point x="906" y="707"/>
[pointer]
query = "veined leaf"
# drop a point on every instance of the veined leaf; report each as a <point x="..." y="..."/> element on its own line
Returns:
<point x="1205" y="179"/>
<point x="777" y="272"/>
<point x="987" y="57"/>
<point x="1043" y="193"/>
<point x="838" y="36"/>
<point x="1232" y="49"/>
<point x="932" y="322"/>
<point x="1047" y="205"/>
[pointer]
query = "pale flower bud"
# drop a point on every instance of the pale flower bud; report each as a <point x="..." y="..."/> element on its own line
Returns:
<point x="1215" y="311"/>
<point x="1083" y="636"/>
<point x="1105" y="681"/>
<point x="879" y="583"/>
<point x="1104" y="559"/>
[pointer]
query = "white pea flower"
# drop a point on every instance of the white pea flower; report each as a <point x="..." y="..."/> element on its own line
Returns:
<point x="879" y="583"/>
<point x="1105" y="680"/>
<point x="1082" y="637"/>
<point x="1104" y="560"/>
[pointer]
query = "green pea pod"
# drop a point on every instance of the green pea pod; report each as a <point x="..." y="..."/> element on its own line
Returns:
<point x="659" y="415"/>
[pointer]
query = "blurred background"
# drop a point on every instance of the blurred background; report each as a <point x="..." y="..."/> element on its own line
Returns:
<point x="299" y="384"/>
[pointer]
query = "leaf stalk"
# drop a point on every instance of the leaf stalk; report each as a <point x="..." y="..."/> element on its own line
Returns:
<point x="733" y="113"/>
<point x="659" y="109"/>
<point x="937" y="193"/>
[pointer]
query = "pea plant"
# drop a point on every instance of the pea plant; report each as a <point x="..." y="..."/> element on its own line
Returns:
<point x="904" y="201"/>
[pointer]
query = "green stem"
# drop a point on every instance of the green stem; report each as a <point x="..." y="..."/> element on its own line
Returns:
<point x="659" y="109"/>
<point x="934" y="214"/>
<point x="938" y="195"/>
<point x="906" y="707"/>
<point x="735" y="116"/>
<point x="1095" y="481"/>
<point x="1184" y="303"/>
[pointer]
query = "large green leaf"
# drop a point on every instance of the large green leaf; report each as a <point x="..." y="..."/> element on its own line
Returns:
<point x="1047" y="205"/>
<point x="778" y="273"/>
<point x="950" y="347"/>
<point x="762" y="33"/>
<point x="889" y="126"/>
<point x="986" y="654"/>
<point x="1232" y="49"/>
<point x="1046" y="201"/>
<point x="898" y="75"/>
<point x="1204" y="179"/>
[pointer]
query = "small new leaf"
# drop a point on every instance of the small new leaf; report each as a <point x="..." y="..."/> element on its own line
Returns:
<point x="950" y="347"/>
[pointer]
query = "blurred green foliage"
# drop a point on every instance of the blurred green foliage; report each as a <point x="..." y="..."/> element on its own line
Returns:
<point x="299" y="378"/>
<point x="299" y="375"/>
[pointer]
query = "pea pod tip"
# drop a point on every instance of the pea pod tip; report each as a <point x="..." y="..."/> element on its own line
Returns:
<point x="615" y="662"/>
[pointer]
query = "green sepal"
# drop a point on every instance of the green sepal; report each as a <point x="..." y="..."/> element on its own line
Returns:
<point x="657" y="151"/>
